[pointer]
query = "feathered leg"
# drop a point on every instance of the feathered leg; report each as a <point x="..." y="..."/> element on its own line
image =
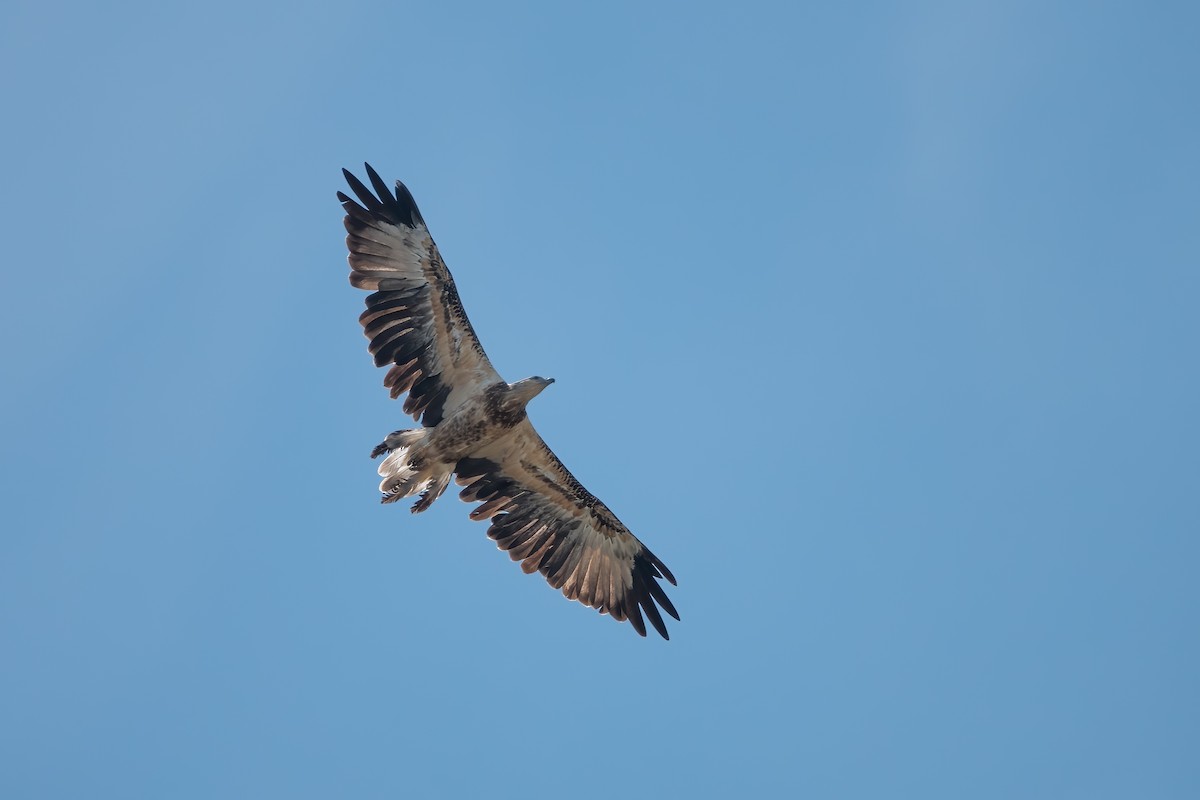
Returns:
<point x="407" y="471"/>
<point x="432" y="492"/>
<point x="397" y="440"/>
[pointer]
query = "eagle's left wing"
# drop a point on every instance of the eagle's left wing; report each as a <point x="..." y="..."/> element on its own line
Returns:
<point x="546" y="520"/>
<point x="414" y="319"/>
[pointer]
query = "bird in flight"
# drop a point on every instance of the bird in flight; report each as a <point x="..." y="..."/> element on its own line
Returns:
<point x="474" y="427"/>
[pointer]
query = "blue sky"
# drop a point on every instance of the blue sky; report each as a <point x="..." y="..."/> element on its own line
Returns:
<point x="878" y="323"/>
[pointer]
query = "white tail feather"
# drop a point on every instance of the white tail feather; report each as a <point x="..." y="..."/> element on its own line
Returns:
<point x="396" y="463"/>
<point x="406" y="471"/>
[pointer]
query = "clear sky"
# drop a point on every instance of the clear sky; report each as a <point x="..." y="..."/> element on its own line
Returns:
<point x="877" y="322"/>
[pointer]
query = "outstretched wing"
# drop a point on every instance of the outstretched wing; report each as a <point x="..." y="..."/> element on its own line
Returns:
<point x="414" y="320"/>
<point x="546" y="520"/>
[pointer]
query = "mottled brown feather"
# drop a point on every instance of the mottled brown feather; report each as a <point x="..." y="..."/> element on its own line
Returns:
<point x="545" y="519"/>
<point x="414" y="319"/>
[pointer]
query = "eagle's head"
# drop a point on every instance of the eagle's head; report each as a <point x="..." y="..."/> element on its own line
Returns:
<point x="506" y="401"/>
<point x="527" y="389"/>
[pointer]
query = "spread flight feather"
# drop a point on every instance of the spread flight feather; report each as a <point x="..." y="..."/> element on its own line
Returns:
<point x="474" y="425"/>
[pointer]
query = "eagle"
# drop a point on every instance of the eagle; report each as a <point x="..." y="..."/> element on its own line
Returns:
<point x="474" y="426"/>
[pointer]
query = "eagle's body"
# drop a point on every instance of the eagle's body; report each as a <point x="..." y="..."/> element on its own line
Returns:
<point x="427" y="457"/>
<point x="475" y="427"/>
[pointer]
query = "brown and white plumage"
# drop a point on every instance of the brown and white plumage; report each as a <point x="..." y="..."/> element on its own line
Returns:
<point x="549" y="522"/>
<point x="415" y="320"/>
<point x="474" y="424"/>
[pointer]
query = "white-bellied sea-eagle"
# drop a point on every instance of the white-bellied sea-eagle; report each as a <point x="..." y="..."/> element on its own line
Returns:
<point x="474" y="426"/>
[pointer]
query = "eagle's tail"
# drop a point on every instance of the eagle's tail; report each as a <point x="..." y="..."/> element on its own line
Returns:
<point x="405" y="473"/>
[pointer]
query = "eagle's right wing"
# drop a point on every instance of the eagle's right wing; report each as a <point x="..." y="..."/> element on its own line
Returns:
<point x="546" y="520"/>
<point x="414" y="320"/>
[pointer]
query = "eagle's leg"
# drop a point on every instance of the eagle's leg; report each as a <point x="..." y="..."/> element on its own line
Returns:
<point x="432" y="492"/>
<point x="409" y="469"/>
<point x="394" y="441"/>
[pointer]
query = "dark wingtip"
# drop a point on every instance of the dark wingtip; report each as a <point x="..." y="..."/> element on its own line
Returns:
<point x="635" y="618"/>
<point x="661" y="568"/>
<point x="380" y="187"/>
<point x="398" y="207"/>
<point x="408" y="206"/>
<point x="655" y="618"/>
<point x="647" y="595"/>
<point x="369" y="201"/>
<point x="661" y="598"/>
